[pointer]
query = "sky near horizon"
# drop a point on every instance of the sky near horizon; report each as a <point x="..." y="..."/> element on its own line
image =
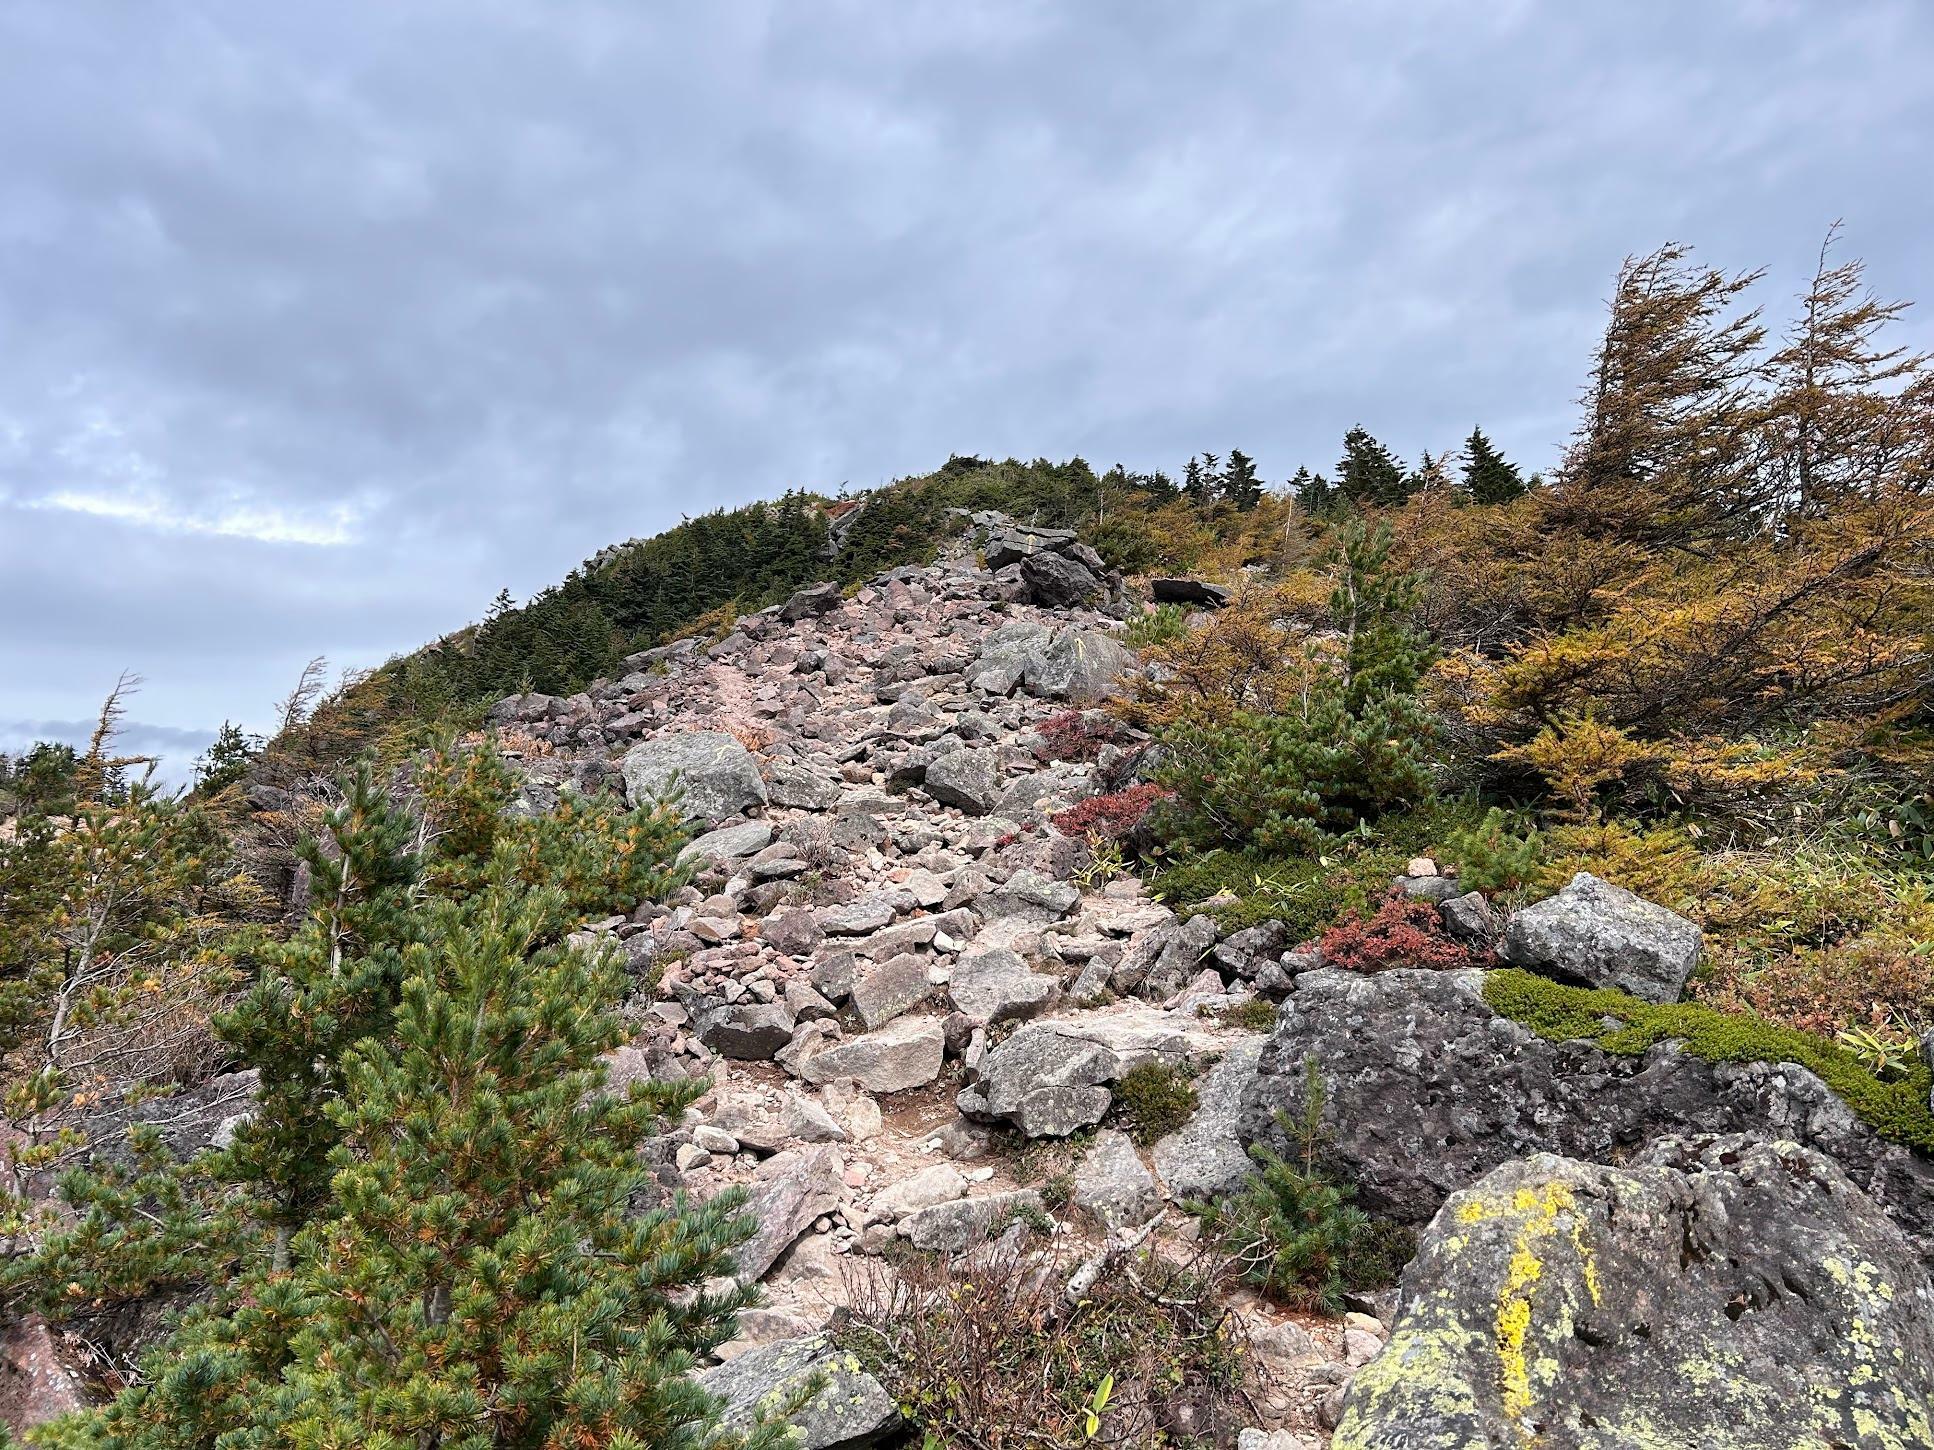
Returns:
<point x="320" y="324"/>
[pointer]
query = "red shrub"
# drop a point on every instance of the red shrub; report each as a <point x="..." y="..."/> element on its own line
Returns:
<point x="1115" y="816"/>
<point x="1404" y="933"/>
<point x="1074" y="735"/>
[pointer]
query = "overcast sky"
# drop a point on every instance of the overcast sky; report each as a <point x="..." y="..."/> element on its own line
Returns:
<point x="320" y="323"/>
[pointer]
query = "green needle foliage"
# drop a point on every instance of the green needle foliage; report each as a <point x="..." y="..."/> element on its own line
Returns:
<point x="1350" y="747"/>
<point x="428" y="1228"/>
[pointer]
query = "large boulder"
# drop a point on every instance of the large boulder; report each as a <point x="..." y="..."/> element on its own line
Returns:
<point x="791" y="1190"/>
<point x="712" y="774"/>
<point x="906" y="1053"/>
<point x="1596" y="934"/>
<point x="967" y="779"/>
<point x="1010" y="543"/>
<point x="1112" y="1183"/>
<point x="1715" y="1292"/>
<point x="850" y="1409"/>
<point x="1188" y="591"/>
<point x="1427" y="1089"/>
<point x="1076" y="665"/>
<point x="1057" y="581"/>
<point x="997" y="986"/>
<point x="1205" y="1156"/>
<point x="962" y="1222"/>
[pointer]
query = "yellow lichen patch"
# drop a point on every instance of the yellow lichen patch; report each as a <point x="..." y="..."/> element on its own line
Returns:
<point x="1538" y="1210"/>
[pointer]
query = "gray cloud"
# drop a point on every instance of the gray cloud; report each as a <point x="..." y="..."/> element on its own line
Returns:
<point x="319" y="324"/>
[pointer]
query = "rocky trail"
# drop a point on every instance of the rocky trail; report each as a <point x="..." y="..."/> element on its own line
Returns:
<point x="896" y="972"/>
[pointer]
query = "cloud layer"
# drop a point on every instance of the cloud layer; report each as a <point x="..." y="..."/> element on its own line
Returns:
<point x="318" y="324"/>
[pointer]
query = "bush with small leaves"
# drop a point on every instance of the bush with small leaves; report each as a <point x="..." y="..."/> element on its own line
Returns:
<point x="1403" y="932"/>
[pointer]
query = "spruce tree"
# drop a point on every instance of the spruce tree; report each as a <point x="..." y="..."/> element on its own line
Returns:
<point x="1368" y="473"/>
<point x="1240" y="485"/>
<point x="1488" y="476"/>
<point x="1314" y="493"/>
<point x="1196" y="482"/>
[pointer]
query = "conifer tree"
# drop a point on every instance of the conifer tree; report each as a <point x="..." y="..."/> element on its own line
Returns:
<point x="427" y="1225"/>
<point x="1314" y="493"/>
<point x="1843" y="410"/>
<point x="1198" y="481"/>
<point x="480" y="1282"/>
<point x="1488" y="476"/>
<point x="1240" y="485"/>
<point x="1368" y="473"/>
<point x="1668" y="452"/>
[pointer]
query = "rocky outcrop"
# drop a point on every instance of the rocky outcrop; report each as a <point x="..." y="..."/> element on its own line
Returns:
<point x="1715" y="1292"/>
<point x="712" y="775"/>
<point x="1595" y="934"/>
<point x="1428" y="1089"/>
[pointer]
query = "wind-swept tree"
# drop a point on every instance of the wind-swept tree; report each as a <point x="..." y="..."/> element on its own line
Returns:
<point x="1846" y="414"/>
<point x="1668" y="452"/>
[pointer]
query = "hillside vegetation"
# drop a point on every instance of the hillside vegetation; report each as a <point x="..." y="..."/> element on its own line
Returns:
<point x="1697" y="660"/>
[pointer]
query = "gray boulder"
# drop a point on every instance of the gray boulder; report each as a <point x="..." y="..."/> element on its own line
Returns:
<point x="1010" y="543"/>
<point x="1716" y="1292"/>
<point x="906" y="1053"/>
<point x="967" y="779"/>
<point x="1112" y="1183"/>
<point x="997" y="986"/>
<point x="813" y="599"/>
<point x="1469" y="918"/>
<point x="951" y="1227"/>
<point x="791" y="1190"/>
<point x="1427" y="1089"/>
<point x="1205" y="1156"/>
<point x="1051" y="1078"/>
<point x="730" y="843"/>
<point x="1600" y="935"/>
<point x="851" y="1409"/>
<point x="1188" y="591"/>
<point x="1163" y="960"/>
<point x="800" y="788"/>
<point x="1076" y="665"/>
<point x="1057" y="581"/>
<point x="748" y="1032"/>
<point x="884" y="991"/>
<point x="713" y="775"/>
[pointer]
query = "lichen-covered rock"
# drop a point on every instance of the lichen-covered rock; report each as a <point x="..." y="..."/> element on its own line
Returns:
<point x="1428" y="1089"/>
<point x="1113" y="1184"/>
<point x="850" y="1410"/>
<point x="791" y="1190"/>
<point x="712" y="774"/>
<point x="953" y="1226"/>
<point x="1599" y="935"/>
<point x="1051" y="1078"/>
<point x="1076" y="665"/>
<point x="1205" y="1156"/>
<point x="1716" y="1292"/>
